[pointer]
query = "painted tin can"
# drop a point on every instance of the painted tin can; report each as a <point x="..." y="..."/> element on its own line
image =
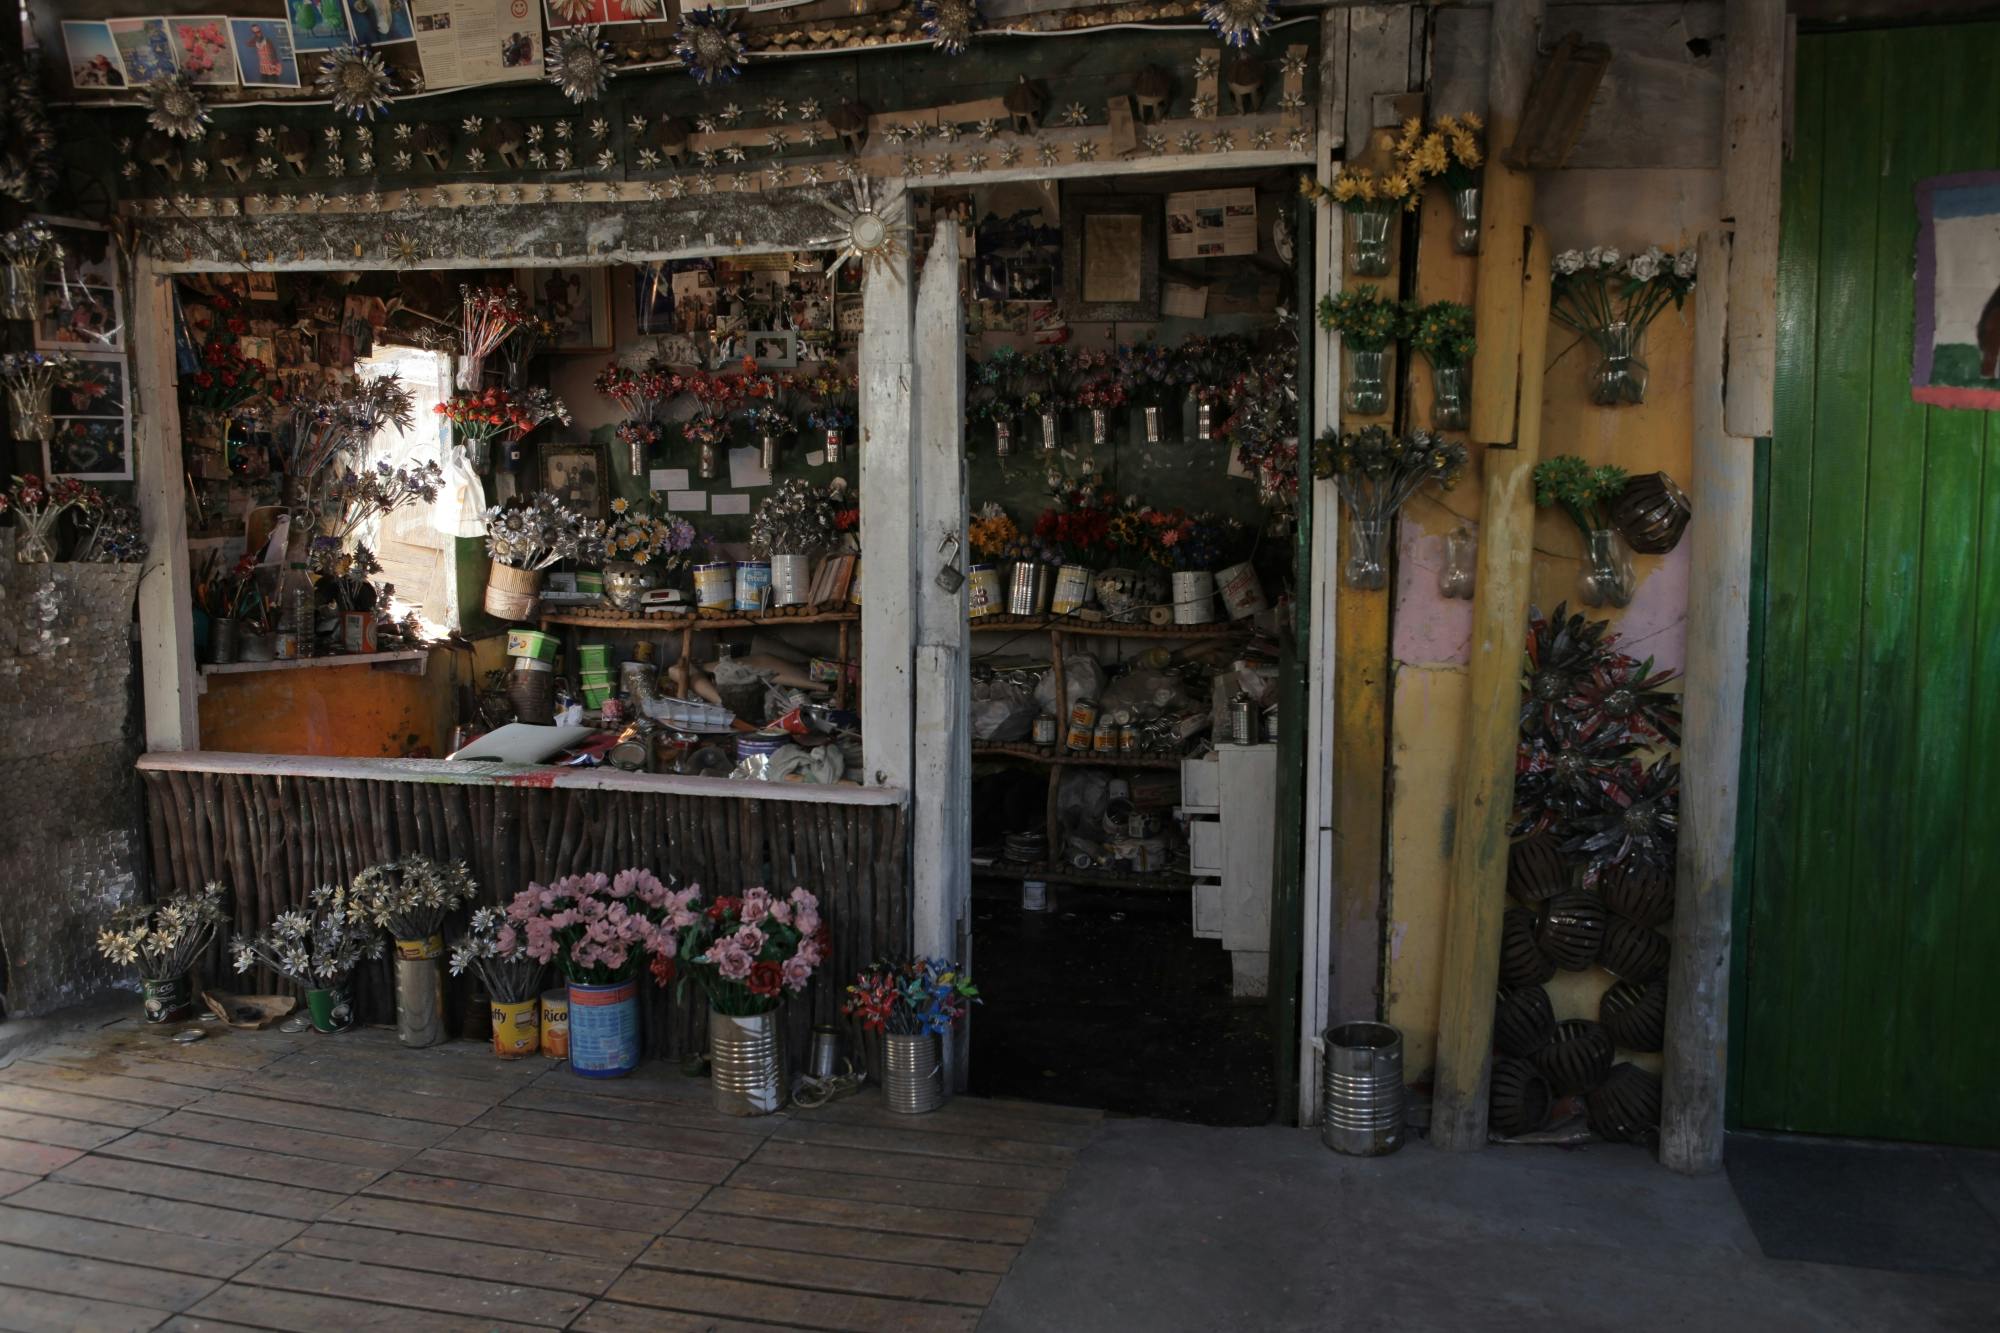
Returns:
<point x="168" y="999"/>
<point x="1082" y="724"/>
<point x="1072" y="590"/>
<point x="1028" y="588"/>
<point x="1046" y="730"/>
<point x="1104" y="740"/>
<point x="516" y="1031"/>
<point x="555" y="1023"/>
<point x="983" y="593"/>
<point x="791" y="579"/>
<point x="604" y="1029"/>
<point x="1194" y="597"/>
<point x="715" y="586"/>
<point x="753" y="584"/>
<point x="1242" y="593"/>
<point x="1128" y="739"/>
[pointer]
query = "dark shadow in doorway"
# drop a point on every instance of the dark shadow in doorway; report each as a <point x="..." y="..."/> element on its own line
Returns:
<point x="1110" y="1002"/>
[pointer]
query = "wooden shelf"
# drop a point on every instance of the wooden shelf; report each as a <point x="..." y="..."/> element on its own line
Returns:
<point x="1158" y="881"/>
<point x="1104" y="628"/>
<point x="592" y="619"/>
<point x="1059" y="758"/>
<point x="385" y="661"/>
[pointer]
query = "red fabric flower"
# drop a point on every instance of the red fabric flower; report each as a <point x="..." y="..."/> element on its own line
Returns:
<point x="765" y="978"/>
<point x="663" y="969"/>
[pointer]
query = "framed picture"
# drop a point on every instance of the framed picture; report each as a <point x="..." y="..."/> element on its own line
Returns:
<point x="380" y="22"/>
<point x="577" y="300"/>
<point x="774" y="348"/>
<point x="1111" y="258"/>
<point x="1955" y="351"/>
<point x="76" y="317"/>
<point x="93" y="423"/>
<point x="263" y="286"/>
<point x="577" y="474"/>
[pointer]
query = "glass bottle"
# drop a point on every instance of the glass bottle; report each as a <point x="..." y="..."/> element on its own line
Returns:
<point x="1606" y="578"/>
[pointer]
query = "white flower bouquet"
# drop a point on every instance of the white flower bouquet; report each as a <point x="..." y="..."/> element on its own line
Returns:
<point x="540" y="533"/>
<point x="1610" y="299"/>
<point x="164" y="940"/>
<point x="411" y="897"/>
<point x="494" y="949"/>
<point x="315" y="946"/>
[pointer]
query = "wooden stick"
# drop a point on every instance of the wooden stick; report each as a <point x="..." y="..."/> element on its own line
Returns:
<point x="1484" y="800"/>
<point x="1507" y="209"/>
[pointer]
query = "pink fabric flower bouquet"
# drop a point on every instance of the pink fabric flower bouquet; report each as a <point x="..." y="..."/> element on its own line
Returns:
<point x="747" y="952"/>
<point x="599" y="928"/>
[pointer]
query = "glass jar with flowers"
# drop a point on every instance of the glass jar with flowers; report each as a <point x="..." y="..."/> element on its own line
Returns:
<point x="1371" y="204"/>
<point x="35" y="506"/>
<point x="25" y="252"/>
<point x="410" y="899"/>
<point x="598" y="930"/>
<point x="914" y="1005"/>
<point x="1450" y="152"/>
<point x="1442" y="333"/>
<point x="488" y="316"/>
<point x="31" y="379"/>
<point x="791" y="528"/>
<point x="1586" y="494"/>
<point x="524" y="540"/>
<point x="1368" y="323"/>
<point x="492" y="949"/>
<point x="746" y="953"/>
<point x="316" y="946"/>
<point x="1610" y="300"/>
<point x="165" y="941"/>
<point x="1376" y="473"/>
<point x="644" y="547"/>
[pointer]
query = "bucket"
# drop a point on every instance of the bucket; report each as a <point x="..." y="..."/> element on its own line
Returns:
<point x="1194" y="597"/>
<point x="983" y="593"/>
<point x="604" y="1029"/>
<point x="530" y="664"/>
<point x="1034" y="895"/>
<point x="1242" y="593"/>
<point x="533" y="695"/>
<point x="1072" y="590"/>
<point x="555" y="1023"/>
<point x="753" y="584"/>
<point x="1028" y="588"/>
<point x="743" y="1064"/>
<point x="169" y="999"/>
<point x="912" y="1073"/>
<point x="511" y="592"/>
<point x="791" y="579"/>
<point x="515" y="1031"/>
<point x="1361" y="1102"/>
<point x="715" y="586"/>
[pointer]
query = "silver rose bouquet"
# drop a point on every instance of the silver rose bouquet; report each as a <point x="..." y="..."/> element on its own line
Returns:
<point x="796" y="519"/>
<point x="315" y="946"/>
<point x="541" y="532"/>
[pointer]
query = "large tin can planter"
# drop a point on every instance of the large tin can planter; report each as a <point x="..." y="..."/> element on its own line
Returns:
<point x="516" y="1032"/>
<point x="1361" y="1102"/>
<point x="604" y="1029"/>
<point x="983" y="594"/>
<point x="1028" y="588"/>
<point x="419" y="992"/>
<point x="1194" y="597"/>
<point x="715" y="586"/>
<point x="511" y="592"/>
<point x="1242" y="592"/>
<point x="912" y="1073"/>
<point x="1072" y="590"/>
<point x="169" y="999"/>
<point x="555" y="1023"/>
<point x="332" y="1010"/>
<point x="791" y="579"/>
<point x="743" y="1064"/>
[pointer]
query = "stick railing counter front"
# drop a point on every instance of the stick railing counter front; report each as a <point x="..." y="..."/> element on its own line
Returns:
<point x="271" y="827"/>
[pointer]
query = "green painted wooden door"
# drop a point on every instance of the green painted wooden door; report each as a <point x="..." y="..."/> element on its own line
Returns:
<point x="1871" y="925"/>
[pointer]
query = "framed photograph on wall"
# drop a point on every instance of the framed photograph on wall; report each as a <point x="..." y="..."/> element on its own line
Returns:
<point x="578" y="475"/>
<point x="577" y="300"/>
<point x="1111" y="258"/>
<point x="773" y="349"/>
<point x="93" y="423"/>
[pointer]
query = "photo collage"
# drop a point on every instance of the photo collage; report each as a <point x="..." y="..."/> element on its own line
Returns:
<point x="780" y="310"/>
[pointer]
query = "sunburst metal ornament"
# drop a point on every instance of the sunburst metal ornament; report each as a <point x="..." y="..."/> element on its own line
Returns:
<point x="175" y="108"/>
<point x="875" y="235"/>
<point x="579" y="63"/>
<point x="356" y="81"/>
<point x="1240" y="22"/>
<point x="950" y="23"/>
<point x="709" y="45"/>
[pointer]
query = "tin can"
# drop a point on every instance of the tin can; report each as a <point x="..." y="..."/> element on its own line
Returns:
<point x="1003" y="438"/>
<point x="1242" y="720"/>
<point x="836" y="443"/>
<point x="1152" y="425"/>
<point x="1104" y="741"/>
<point x="753" y="584"/>
<point x="1242" y="593"/>
<point x="1072" y="590"/>
<point x="1083" y="713"/>
<point x="1128" y="739"/>
<point x="1045" y="730"/>
<point x="715" y="585"/>
<point x="555" y="1023"/>
<point x="1051" y="434"/>
<point x="791" y="579"/>
<point x="984" y="595"/>
<point x="1028" y="588"/>
<point x="287" y="646"/>
<point x="1271" y="723"/>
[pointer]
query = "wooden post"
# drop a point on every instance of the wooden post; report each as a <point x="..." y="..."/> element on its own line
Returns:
<point x="889" y="560"/>
<point x="1753" y="113"/>
<point x="941" y="785"/>
<point x="169" y="681"/>
<point x="1485" y="794"/>
<point x="1508" y="207"/>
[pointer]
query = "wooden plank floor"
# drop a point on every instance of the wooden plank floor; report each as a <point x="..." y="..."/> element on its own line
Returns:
<point x="266" y="1181"/>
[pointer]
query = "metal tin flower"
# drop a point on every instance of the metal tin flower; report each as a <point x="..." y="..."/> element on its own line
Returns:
<point x="175" y="108"/>
<point x="709" y="45"/>
<point x="579" y="63"/>
<point x="950" y="23"/>
<point x="1240" y="22"/>
<point x="357" y="81"/>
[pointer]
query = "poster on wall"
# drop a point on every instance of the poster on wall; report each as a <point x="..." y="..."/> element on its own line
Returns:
<point x="1956" y="356"/>
<point x="577" y="300"/>
<point x="1207" y="224"/>
<point x="477" y="41"/>
<point x="77" y="308"/>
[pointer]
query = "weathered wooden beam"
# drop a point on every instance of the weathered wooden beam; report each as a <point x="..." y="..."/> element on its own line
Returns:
<point x="1753" y="114"/>
<point x="1484" y="799"/>
<point x="888" y="501"/>
<point x="1713" y="695"/>
<point x="169" y="682"/>
<point x="1508" y="208"/>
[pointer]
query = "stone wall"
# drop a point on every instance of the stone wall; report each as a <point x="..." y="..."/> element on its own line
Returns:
<point x="71" y="839"/>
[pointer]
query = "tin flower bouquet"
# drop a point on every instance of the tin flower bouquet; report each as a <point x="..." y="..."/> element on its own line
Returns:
<point x="912" y="1004"/>
<point x="998" y="400"/>
<point x="25" y="252"/>
<point x="410" y="898"/>
<point x="1610" y="300"/>
<point x="488" y="316"/>
<point x="36" y="506"/>
<point x="746" y="953"/>
<point x="716" y="397"/>
<point x="640" y="392"/>
<point x="525" y="540"/>
<point x="31" y="379"/>
<point x="1147" y="370"/>
<point x="492" y="949"/>
<point x="1205" y="367"/>
<point x="165" y="941"/>
<point x="643" y="547"/>
<point x="480" y="418"/>
<point x="792" y="527"/>
<point x="829" y="397"/>
<point x="1376" y="473"/>
<point x="598" y="929"/>
<point x="317" y="947"/>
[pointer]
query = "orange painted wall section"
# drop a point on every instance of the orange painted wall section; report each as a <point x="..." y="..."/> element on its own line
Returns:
<point x="353" y="711"/>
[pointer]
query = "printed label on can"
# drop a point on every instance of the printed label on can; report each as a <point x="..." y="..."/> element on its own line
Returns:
<point x="1083" y="713"/>
<point x="1105" y="741"/>
<point x="714" y="586"/>
<point x="753" y="584"/>
<point x="1045" y="730"/>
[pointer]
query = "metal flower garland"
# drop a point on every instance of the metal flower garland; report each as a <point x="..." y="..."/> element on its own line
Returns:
<point x="950" y="23"/>
<point x="709" y="45"/>
<point x="175" y="108"/>
<point x="1240" y="22"/>
<point x="579" y="63"/>
<point x="356" y="81"/>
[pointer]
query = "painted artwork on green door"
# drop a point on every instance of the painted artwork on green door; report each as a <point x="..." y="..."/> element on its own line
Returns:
<point x="1869" y="899"/>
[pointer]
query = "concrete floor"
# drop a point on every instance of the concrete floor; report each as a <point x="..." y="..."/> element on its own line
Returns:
<point x="1165" y="1227"/>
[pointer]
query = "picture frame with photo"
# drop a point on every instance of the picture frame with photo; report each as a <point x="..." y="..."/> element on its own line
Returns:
<point x="380" y="22"/>
<point x="92" y="440"/>
<point x="576" y="300"/>
<point x="91" y="55"/>
<point x="1110" y="257"/>
<point x="73" y="317"/>
<point x="267" y="52"/>
<point x="579" y="474"/>
<point x="204" y="49"/>
<point x="315" y="25"/>
<point x="144" y="48"/>
<point x="773" y="349"/>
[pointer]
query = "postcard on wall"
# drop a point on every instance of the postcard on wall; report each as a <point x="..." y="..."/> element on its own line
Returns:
<point x="316" y="25"/>
<point x="477" y="41"/>
<point x="1956" y="349"/>
<point x="92" y="56"/>
<point x="144" y="48"/>
<point x="381" y="22"/>
<point x="204" y="50"/>
<point x="1204" y="224"/>
<point x="265" y="54"/>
